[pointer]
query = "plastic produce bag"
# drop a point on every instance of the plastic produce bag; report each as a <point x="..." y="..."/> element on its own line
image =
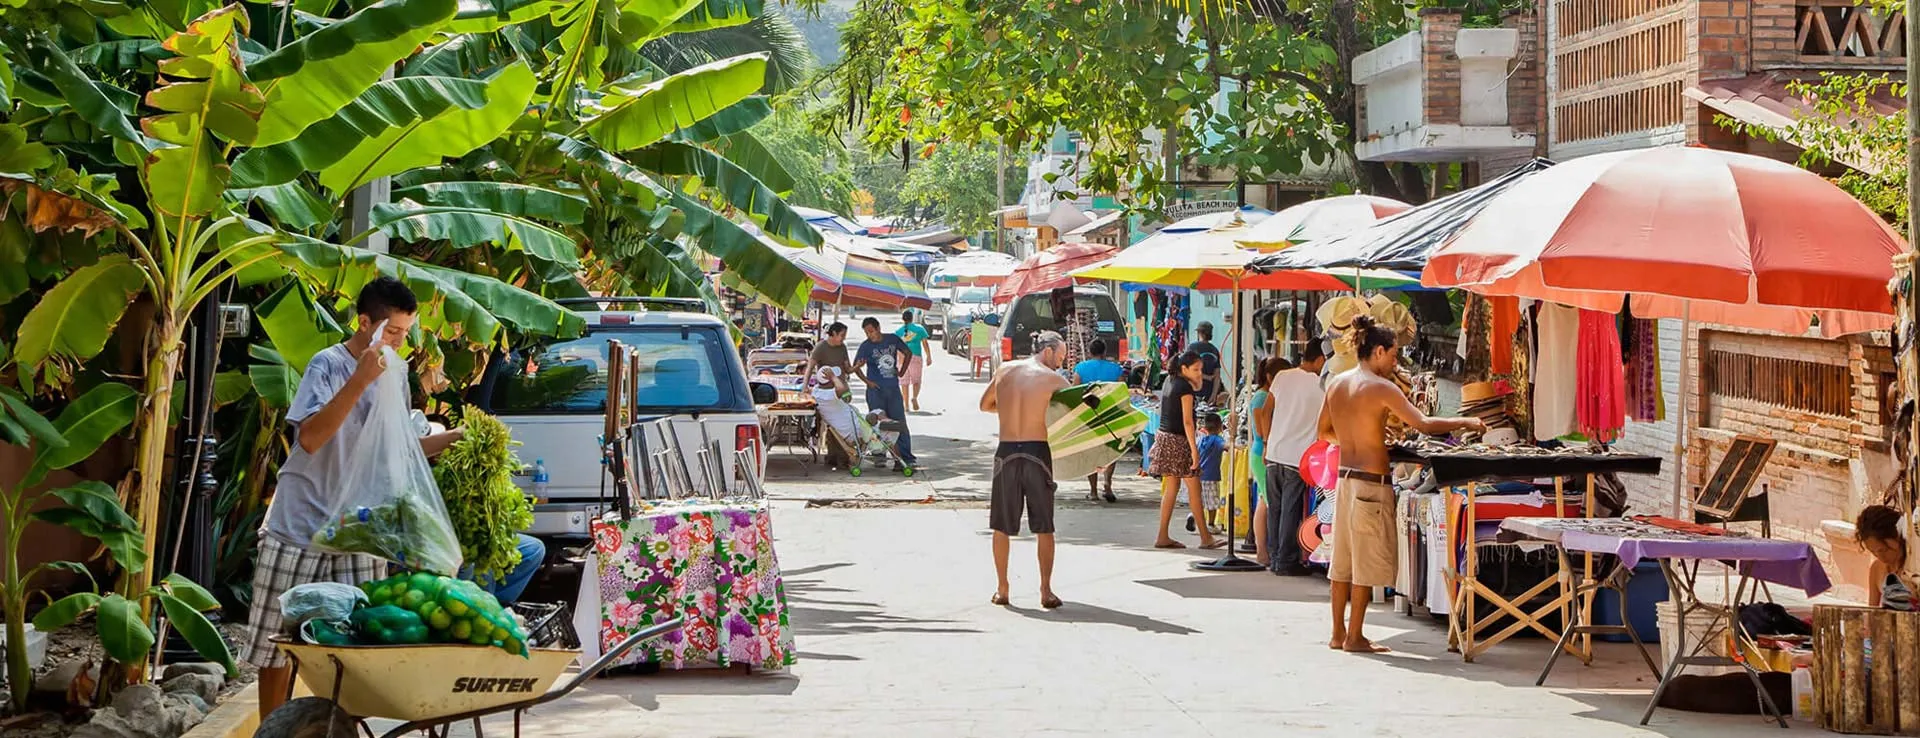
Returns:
<point x="331" y="602"/>
<point x="389" y="505"/>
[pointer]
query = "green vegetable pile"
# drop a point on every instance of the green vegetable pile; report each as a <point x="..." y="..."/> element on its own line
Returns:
<point x="475" y="475"/>
<point x="427" y="608"/>
<point x="401" y="531"/>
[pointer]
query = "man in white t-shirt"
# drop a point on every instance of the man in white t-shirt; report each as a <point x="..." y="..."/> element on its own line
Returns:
<point x="1296" y="396"/>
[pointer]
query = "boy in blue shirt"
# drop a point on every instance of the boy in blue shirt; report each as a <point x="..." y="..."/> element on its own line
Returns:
<point x="1211" y="446"/>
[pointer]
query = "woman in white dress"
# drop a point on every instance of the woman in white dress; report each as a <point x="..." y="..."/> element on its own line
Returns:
<point x="830" y="396"/>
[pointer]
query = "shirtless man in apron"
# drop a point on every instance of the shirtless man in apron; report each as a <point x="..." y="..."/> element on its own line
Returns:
<point x="1359" y="403"/>
<point x="1023" y="464"/>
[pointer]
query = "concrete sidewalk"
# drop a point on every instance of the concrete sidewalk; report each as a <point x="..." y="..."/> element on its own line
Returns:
<point x="896" y="639"/>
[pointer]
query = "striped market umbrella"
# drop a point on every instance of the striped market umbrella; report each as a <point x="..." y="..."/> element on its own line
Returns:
<point x="1051" y="269"/>
<point x="872" y="278"/>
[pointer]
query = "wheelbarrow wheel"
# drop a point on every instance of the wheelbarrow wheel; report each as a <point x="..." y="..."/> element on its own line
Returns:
<point x="307" y="717"/>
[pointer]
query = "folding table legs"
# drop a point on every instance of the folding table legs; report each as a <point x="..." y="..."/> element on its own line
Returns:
<point x="1578" y="621"/>
<point x="1680" y="583"/>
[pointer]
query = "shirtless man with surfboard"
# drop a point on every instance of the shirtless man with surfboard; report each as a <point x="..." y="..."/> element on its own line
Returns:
<point x="1023" y="464"/>
<point x="1365" y="548"/>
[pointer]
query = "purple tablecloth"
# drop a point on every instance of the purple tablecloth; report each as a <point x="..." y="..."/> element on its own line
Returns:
<point x="1788" y="563"/>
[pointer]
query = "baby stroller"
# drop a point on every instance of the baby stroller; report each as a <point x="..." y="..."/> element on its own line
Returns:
<point x="852" y="434"/>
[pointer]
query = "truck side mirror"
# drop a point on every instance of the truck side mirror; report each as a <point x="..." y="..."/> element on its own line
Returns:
<point x="764" y="393"/>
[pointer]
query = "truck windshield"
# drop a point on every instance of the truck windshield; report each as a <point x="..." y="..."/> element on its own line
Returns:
<point x="973" y="295"/>
<point x="680" y="371"/>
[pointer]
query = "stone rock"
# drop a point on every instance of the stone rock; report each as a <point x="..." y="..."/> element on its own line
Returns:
<point x="108" y="723"/>
<point x="207" y="688"/>
<point x="138" y="703"/>
<point x="208" y="668"/>
<point x="143" y="711"/>
<point x="191" y="700"/>
<point x="55" y="682"/>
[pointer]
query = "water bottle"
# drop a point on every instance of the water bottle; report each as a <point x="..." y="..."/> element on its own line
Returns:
<point x="540" y="479"/>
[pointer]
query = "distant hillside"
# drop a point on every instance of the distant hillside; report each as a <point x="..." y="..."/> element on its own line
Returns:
<point x="822" y="31"/>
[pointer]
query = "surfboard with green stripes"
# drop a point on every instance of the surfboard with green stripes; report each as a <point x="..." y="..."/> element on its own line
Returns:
<point x="1090" y="426"/>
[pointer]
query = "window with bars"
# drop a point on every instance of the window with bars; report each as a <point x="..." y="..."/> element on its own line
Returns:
<point x="1793" y="384"/>
<point x="1641" y="51"/>
<point x="1573" y="17"/>
<point x="1641" y="109"/>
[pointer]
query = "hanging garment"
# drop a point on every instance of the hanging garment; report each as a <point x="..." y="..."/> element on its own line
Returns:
<point x="1556" y="373"/>
<point x="1505" y="320"/>
<point x="1601" y="407"/>
<point x="1520" y="404"/>
<point x="1645" y="402"/>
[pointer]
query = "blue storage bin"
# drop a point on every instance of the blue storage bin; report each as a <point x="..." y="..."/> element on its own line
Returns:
<point x="1646" y="589"/>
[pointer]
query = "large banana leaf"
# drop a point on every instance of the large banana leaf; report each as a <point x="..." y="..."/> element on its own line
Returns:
<point x="308" y="80"/>
<point x="746" y="150"/>
<point x="485" y="16"/>
<point x="453" y="133"/>
<point x="386" y="112"/>
<point x="89" y="421"/>
<point x="501" y="197"/>
<point x="712" y="14"/>
<point x="204" y="96"/>
<point x="91" y="99"/>
<point x="73" y="320"/>
<point x="631" y="118"/>
<point x="463" y="227"/>
<point x="736" y="118"/>
<point x="597" y="164"/>
<point x="290" y="203"/>
<point x="296" y="323"/>
<point x="751" y="259"/>
<point x="736" y="186"/>
<point x="453" y="304"/>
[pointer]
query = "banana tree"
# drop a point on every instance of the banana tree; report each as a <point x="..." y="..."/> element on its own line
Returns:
<point x="90" y="507"/>
<point x="213" y="109"/>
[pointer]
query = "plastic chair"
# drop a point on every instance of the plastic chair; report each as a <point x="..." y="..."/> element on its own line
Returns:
<point x="980" y="346"/>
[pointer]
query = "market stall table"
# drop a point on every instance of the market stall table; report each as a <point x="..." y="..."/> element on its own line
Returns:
<point x="710" y="562"/>
<point x="1681" y="553"/>
<point x="1463" y="468"/>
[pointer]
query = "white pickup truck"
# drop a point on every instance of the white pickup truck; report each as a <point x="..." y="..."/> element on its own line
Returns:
<point x="553" y="397"/>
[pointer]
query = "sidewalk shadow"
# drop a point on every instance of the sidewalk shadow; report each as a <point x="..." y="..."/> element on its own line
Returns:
<point x="814" y="612"/>
<point x="1258" y="586"/>
<point x="1088" y="614"/>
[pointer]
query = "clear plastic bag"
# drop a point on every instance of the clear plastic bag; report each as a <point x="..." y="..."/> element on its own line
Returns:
<point x="329" y="601"/>
<point x="389" y="505"/>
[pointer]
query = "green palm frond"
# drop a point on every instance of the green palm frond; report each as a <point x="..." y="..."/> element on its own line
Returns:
<point x="772" y="32"/>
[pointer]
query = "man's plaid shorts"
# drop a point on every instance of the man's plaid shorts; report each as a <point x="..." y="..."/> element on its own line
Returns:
<point x="283" y="566"/>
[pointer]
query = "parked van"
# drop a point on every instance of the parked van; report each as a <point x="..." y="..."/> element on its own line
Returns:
<point x="552" y="395"/>
<point x="1033" y="312"/>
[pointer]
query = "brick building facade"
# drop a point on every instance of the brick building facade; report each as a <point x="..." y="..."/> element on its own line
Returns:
<point x="1625" y="74"/>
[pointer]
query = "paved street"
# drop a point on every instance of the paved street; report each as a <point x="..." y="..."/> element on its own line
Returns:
<point x="896" y="638"/>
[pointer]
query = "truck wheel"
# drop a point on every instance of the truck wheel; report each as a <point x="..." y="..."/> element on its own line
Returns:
<point x="307" y="717"/>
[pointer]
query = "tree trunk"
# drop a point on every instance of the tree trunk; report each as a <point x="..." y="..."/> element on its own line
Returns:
<point x="19" y="676"/>
<point x="162" y="363"/>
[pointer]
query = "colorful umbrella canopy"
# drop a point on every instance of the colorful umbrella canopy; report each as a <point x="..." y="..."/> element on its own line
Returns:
<point x="1051" y="269"/>
<point x="1763" y="243"/>
<point x="873" y="278"/>
<point x="1178" y="259"/>
<point x="1248" y="214"/>
<point x="1401" y="241"/>
<point x="825" y="221"/>
<point x="1319" y="220"/>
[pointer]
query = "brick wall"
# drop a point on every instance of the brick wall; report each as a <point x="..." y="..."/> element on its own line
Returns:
<point x="1774" y="42"/>
<point x="1614" y="75"/>
<point x="1825" y="467"/>
<point x="1524" y="84"/>
<point x="1439" y="33"/>
<point x="1725" y="32"/>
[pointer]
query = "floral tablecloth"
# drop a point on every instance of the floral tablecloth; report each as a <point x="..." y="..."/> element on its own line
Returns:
<point x="711" y="562"/>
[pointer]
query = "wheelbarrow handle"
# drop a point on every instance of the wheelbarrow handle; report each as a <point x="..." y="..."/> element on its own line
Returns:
<point x="606" y="659"/>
